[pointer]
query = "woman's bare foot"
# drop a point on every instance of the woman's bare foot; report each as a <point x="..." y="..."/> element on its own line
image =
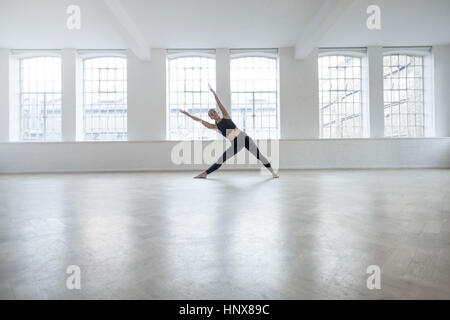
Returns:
<point x="201" y="176"/>
<point x="274" y="175"/>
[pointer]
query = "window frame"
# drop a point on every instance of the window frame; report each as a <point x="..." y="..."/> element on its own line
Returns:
<point x="360" y="53"/>
<point x="91" y="55"/>
<point x="427" y="88"/>
<point x="173" y="54"/>
<point x="262" y="54"/>
<point x="19" y="57"/>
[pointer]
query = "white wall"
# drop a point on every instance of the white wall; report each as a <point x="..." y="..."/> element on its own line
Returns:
<point x="441" y="59"/>
<point x="156" y="155"/>
<point x="375" y="60"/>
<point x="299" y="98"/>
<point x="4" y="95"/>
<point x="223" y="77"/>
<point x="299" y="146"/>
<point x="69" y="94"/>
<point x="147" y="97"/>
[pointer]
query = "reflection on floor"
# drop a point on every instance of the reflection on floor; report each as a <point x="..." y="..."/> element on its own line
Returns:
<point x="238" y="235"/>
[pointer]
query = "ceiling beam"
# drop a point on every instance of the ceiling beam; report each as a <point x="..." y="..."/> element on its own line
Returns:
<point x="327" y="16"/>
<point x="134" y="36"/>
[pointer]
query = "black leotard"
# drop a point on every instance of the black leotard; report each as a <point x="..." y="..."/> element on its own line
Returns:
<point x="225" y="126"/>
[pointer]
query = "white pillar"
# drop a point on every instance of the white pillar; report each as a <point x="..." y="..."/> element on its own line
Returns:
<point x="4" y="95"/>
<point x="147" y="97"/>
<point x="441" y="79"/>
<point x="69" y="94"/>
<point x="299" y="97"/>
<point x="223" y="77"/>
<point x="376" y="103"/>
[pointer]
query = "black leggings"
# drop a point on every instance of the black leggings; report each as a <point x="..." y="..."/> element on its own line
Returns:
<point x="241" y="141"/>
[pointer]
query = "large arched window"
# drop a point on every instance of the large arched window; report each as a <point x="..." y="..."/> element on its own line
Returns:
<point x="105" y="98"/>
<point x="403" y="95"/>
<point x="254" y="93"/>
<point x="188" y="75"/>
<point x="40" y="98"/>
<point x="340" y="98"/>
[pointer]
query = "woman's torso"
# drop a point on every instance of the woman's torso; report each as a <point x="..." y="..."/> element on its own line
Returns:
<point x="227" y="128"/>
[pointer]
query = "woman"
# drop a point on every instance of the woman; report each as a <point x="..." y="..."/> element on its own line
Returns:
<point x="238" y="138"/>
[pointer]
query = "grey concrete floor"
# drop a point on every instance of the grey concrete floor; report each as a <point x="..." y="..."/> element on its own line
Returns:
<point x="238" y="235"/>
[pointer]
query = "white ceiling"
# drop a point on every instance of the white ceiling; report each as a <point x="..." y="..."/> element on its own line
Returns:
<point x="42" y="24"/>
<point x="403" y="23"/>
<point x="224" y="23"/>
<point x="213" y="23"/>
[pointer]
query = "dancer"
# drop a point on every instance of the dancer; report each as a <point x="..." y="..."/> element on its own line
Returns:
<point x="239" y="139"/>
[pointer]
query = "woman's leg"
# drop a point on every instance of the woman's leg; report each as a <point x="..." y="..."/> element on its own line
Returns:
<point x="253" y="148"/>
<point x="229" y="153"/>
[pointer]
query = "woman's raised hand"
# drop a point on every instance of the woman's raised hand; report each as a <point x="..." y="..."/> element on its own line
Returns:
<point x="211" y="89"/>
<point x="184" y="112"/>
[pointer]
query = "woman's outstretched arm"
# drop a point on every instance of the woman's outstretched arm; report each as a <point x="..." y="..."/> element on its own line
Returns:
<point x="221" y="107"/>
<point x="203" y="122"/>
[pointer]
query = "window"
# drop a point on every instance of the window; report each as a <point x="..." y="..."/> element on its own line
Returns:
<point x="254" y="94"/>
<point x="403" y="95"/>
<point x="340" y="96"/>
<point x="40" y="98"/>
<point x="188" y="75"/>
<point x="105" y="98"/>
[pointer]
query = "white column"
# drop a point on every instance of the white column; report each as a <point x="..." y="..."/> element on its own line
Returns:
<point x="69" y="94"/>
<point x="4" y="95"/>
<point x="376" y="103"/>
<point x="147" y="97"/>
<point x="299" y="97"/>
<point x="223" y="77"/>
<point x="441" y="77"/>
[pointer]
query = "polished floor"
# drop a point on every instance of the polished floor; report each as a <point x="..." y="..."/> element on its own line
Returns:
<point x="238" y="235"/>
